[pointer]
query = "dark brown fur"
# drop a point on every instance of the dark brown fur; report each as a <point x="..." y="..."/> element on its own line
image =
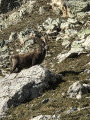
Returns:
<point x="27" y="60"/>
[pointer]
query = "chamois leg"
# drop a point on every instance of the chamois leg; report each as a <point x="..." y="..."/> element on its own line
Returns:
<point x="13" y="69"/>
<point x="33" y="61"/>
<point x="14" y="65"/>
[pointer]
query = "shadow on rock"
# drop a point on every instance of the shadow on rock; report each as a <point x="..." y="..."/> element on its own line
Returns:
<point x="55" y="85"/>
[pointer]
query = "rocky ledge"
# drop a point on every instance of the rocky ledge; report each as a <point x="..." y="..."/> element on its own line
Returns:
<point x="24" y="86"/>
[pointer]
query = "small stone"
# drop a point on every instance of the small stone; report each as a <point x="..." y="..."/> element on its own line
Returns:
<point x="65" y="43"/>
<point x="87" y="71"/>
<point x="70" y="20"/>
<point x="63" y="94"/>
<point x="87" y="31"/>
<point x="81" y="35"/>
<point x="76" y="47"/>
<point x="45" y="100"/>
<point x="64" y="25"/>
<point x="0" y="71"/>
<point x="5" y="48"/>
<point x="78" y="96"/>
<point x="46" y="117"/>
<point x="13" y="36"/>
<point x="2" y="43"/>
<point x="41" y="10"/>
<point x="72" y="109"/>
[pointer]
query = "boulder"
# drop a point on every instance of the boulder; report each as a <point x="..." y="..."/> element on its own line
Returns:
<point x="17" y="88"/>
<point x="76" y="90"/>
<point x="77" y="48"/>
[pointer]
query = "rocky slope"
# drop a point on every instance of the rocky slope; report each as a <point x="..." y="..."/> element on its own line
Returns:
<point x="68" y="56"/>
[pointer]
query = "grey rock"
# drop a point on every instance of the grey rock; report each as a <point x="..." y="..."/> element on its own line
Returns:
<point x="24" y="35"/>
<point x="22" y="12"/>
<point x="77" y="48"/>
<point x="11" y="19"/>
<point x="4" y="48"/>
<point x="14" y="17"/>
<point x="42" y="117"/>
<point x="5" y="57"/>
<point x="65" y="43"/>
<point x="26" y="85"/>
<point x="81" y="35"/>
<point x="71" y="32"/>
<point x="50" y="26"/>
<point x="2" y="43"/>
<point x="41" y="28"/>
<point x="87" y="86"/>
<point x="62" y="56"/>
<point x="30" y="5"/>
<point x="86" y="43"/>
<point x="0" y="2"/>
<point x="81" y="15"/>
<point x="41" y="10"/>
<point x="71" y="110"/>
<point x="72" y="21"/>
<point x="13" y="36"/>
<point x="46" y="117"/>
<point x="64" y="25"/>
<point x="29" y="42"/>
<point x="76" y="90"/>
<point x="87" y="71"/>
<point x="4" y="72"/>
<point x="78" y="6"/>
<point x="24" y="38"/>
<point x="82" y="44"/>
<point x="88" y="64"/>
<point x="75" y="109"/>
<point x="87" y="31"/>
<point x="45" y="100"/>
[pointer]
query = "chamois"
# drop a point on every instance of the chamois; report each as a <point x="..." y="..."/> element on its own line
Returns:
<point x="29" y="59"/>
